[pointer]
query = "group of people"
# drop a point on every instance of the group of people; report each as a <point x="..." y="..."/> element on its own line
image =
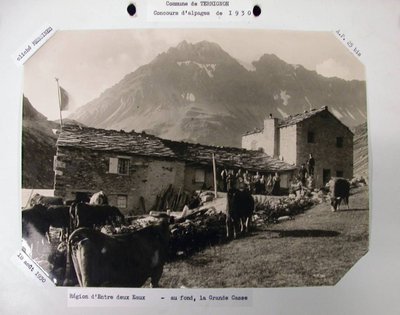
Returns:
<point x="255" y="183"/>
<point x="268" y="184"/>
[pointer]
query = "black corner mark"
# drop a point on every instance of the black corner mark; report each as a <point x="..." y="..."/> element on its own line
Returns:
<point x="256" y="10"/>
<point x="131" y="9"/>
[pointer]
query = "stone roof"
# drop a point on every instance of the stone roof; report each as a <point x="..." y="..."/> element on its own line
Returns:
<point x="295" y="119"/>
<point x="133" y="143"/>
<point x="255" y="130"/>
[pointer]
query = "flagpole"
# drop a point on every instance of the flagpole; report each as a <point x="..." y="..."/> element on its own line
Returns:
<point x="214" y="175"/>
<point x="59" y="102"/>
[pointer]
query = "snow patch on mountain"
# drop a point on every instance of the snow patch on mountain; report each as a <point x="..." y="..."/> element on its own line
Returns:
<point x="284" y="97"/>
<point x="188" y="97"/>
<point x="209" y="68"/>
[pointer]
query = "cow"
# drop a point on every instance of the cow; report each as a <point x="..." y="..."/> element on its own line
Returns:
<point x="35" y="227"/>
<point x="124" y="260"/>
<point x="239" y="210"/>
<point x="339" y="189"/>
<point x="86" y="215"/>
<point x="46" y="201"/>
<point x="59" y="217"/>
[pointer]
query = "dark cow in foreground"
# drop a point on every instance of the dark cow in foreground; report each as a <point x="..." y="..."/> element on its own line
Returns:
<point x="36" y="222"/>
<point x="125" y="260"/>
<point x="35" y="227"/>
<point x="86" y="215"/>
<point x="239" y="210"/>
<point x="46" y="201"/>
<point x="59" y="217"/>
<point x="339" y="189"/>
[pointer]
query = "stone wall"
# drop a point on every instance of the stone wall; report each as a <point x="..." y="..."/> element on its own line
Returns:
<point x="88" y="171"/>
<point x="267" y="139"/>
<point x="288" y="144"/>
<point x="254" y="141"/>
<point x="327" y="155"/>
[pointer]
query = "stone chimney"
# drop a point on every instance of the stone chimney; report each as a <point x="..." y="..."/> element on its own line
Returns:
<point x="271" y="136"/>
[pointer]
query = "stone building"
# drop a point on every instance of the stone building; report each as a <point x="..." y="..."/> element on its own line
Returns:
<point x="318" y="132"/>
<point x="133" y="168"/>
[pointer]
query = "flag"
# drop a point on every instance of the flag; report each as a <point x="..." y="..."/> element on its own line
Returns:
<point x="64" y="99"/>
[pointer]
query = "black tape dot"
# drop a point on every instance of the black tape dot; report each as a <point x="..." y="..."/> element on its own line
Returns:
<point x="256" y="10"/>
<point x="131" y="9"/>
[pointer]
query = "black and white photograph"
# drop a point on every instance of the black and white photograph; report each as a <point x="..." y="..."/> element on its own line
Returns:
<point x="195" y="158"/>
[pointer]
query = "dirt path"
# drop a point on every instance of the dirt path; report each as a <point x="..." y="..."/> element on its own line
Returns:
<point x="316" y="248"/>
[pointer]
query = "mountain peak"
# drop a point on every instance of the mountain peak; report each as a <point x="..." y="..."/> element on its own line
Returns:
<point x="201" y="52"/>
<point x="182" y="45"/>
<point x="273" y="63"/>
<point x="202" y="45"/>
<point x="199" y="86"/>
<point x="271" y="59"/>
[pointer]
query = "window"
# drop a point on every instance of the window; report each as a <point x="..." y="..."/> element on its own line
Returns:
<point x="339" y="142"/>
<point x="122" y="201"/>
<point x="123" y="166"/>
<point x="199" y="176"/>
<point x="310" y="137"/>
<point x="119" y="166"/>
<point x="339" y="173"/>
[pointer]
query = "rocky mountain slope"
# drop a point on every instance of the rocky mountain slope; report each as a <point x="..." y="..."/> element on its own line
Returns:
<point x="38" y="148"/>
<point x="199" y="93"/>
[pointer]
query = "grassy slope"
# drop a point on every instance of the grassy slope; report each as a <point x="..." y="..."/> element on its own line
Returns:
<point x="317" y="248"/>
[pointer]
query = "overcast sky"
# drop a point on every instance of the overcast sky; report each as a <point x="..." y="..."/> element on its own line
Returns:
<point x="88" y="62"/>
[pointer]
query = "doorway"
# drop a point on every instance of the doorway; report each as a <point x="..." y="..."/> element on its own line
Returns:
<point x="326" y="175"/>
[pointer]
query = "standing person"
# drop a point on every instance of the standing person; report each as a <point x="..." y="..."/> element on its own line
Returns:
<point x="311" y="165"/>
<point x="256" y="180"/>
<point x="276" y="184"/>
<point x="239" y="174"/>
<point x="224" y="176"/>
<point x="246" y="179"/>
<point x="268" y="187"/>
<point x="230" y="180"/>
<point x="262" y="184"/>
<point x="240" y="184"/>
<point x="303" y="174"/>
